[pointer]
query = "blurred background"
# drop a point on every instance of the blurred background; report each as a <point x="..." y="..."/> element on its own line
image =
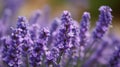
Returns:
<point x="54" y="8"/>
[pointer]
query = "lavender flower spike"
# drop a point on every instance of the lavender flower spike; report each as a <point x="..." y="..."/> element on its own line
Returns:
<point x="66" y="17"/>
<point x="114" y="61"/>
<point x="35" y="17"/>
<point x="84" y="26"/>
<point x="22" y="26"/>
<point x="64" y="33"/>
<point x="104" y="22"/>
<point x="24" y="34"/>
<point x="11" y="54"/>
<point x="39" y="48"/>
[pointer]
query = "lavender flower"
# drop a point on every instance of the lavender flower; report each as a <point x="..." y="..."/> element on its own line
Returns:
<point x="22" y="24"/>
<point x="63" y="45"/>
<point x="13" y="5"/>
<point x="4" y="22"/>
<point x="51" y="56"/>
<point x="65" y="39"/>
<point x="55" y="24"/>
<point x="64" y="33"/>
<point x="6" y="17"/>
<point x="11" y="54"/>
<point x="53" y="28"/>
<point x="39" y="48"/>
<point x="115" y="57"/>
<point x="96" y="55"/>
<point x="24" y="35"/>
<point x="35" y="17"/>
<point x="114" y="61"/>
<point x="84" y="28"/>
<point x="104" y="22"/>
<point x="34" y="31"/>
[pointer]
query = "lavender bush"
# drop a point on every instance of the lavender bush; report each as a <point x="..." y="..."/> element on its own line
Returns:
<point x="62" y="43"/>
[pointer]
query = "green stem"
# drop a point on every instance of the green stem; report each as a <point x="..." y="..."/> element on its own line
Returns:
<point x="5" y="64"/>
<point x="27" y="61"/>
<point x="59" y="58"/>
<point x="89" y="47"/>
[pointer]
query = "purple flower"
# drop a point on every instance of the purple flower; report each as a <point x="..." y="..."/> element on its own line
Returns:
<point x="24" y="35"/>
<point x="55" y="24"/>
<point x="66" y="36"/>
<point x="35" y="17"/>
<point x="114" y="60"/>
<point x="6" y="16"/>
<point x="4" y="21"/>
<point x="11" y="53"/>
<point x="63" y="45"/>
<point x="97" y="54"/>
<point x="103" y="23"/>
<point x="84" y="28"/>
<point x="115" y="57"/>
<point x="34" y="31"/>
<point x="44" y="34"/>
<point x="39" y="48"/>
<point x="51" y="56"/>
<point x="13" y="5"/>
<point x="65" y="32"/>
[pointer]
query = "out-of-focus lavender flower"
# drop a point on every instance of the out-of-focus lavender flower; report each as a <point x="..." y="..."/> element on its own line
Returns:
<point x="84" y="28"/>
<point x="102" y="25"/>
<point x="46" y="14"/>
<point x="104" y="22"/>
<point x="53" y="28"/>
<point x="114" y="61"/>
<point x="54" y="25"/>
<point x="96" y="55"/>
<point x="2" y="29"/>
<point x="35" y="17"/>
<point x="6" y="16"/>
<point x="4" y="22"/>
<point x="13" y="5"/>
<point x="39" y="48"/>
<point x="34" y="31"/>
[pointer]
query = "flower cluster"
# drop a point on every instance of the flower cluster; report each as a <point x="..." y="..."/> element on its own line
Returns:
<point x="104" y="22"/>
<point x="84" y="28"/>
<point x="59" y="44"/>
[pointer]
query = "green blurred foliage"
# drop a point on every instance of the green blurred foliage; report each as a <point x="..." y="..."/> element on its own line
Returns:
<point x="57" y="3"/>
<point x="95" y="4"/>
<point x="1" y="5"/>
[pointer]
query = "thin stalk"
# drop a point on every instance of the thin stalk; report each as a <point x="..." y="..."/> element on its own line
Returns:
<point x="92" y="59"/>
<point x="27" y="61"/>
<point x="59" y="58"/>
<point x="88" y="48"/>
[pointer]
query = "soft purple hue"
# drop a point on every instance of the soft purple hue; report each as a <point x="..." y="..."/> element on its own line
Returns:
<point x="11" y="53"/>
<point x="114" y="61"/>
<point x="84" y="29"/>
<point x="104" y="22"/>
<point x="35" y="17"/>
<point x="63" y="43"/>
<point x="39" y="48"/>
